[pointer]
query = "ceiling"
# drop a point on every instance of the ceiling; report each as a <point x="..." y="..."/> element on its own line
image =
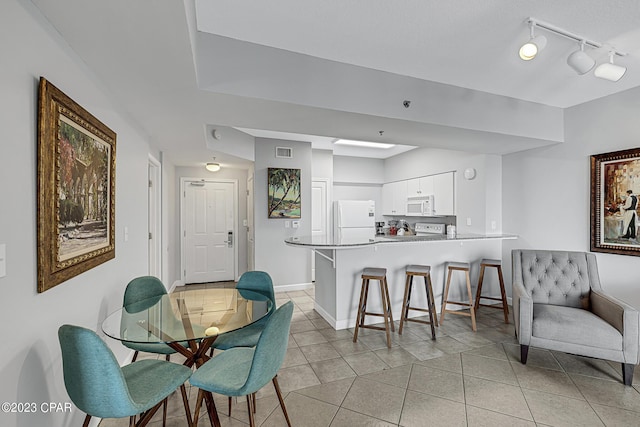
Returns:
<point x="331" y="69"/>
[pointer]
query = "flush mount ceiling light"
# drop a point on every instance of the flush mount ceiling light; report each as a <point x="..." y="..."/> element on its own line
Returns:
<point x="530" y="49"/>
<point x="609" y="70"/>
<point x="363" y="144"/>
<point x="579" y="60"/>
<point x="212" y="166"/>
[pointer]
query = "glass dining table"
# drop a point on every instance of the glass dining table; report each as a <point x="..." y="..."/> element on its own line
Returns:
<point x="188" y="321"/>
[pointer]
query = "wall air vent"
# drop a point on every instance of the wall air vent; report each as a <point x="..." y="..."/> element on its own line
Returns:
<point x="284" y="152"/>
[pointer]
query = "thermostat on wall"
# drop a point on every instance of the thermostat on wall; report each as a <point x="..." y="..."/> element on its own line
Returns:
<point x="469" y="173"/>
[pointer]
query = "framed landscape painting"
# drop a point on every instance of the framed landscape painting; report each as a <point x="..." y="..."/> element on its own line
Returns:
<point x="76" y="189"/>
<point x="284" y="193"/>
<point x="615" y="193"/>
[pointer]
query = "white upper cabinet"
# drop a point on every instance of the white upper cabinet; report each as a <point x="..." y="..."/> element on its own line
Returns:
<point x="422" y="186"/>
<point x="443" y="193"/>
<point x="394" y="198"/>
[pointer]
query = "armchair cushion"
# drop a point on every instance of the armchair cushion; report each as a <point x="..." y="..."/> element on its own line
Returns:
<point x="575" y="326"/>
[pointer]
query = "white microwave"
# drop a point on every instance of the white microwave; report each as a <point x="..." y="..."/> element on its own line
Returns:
<point x="420" y="206"/>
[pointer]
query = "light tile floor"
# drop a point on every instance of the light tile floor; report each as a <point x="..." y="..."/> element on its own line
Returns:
<point x="462" y="378"/>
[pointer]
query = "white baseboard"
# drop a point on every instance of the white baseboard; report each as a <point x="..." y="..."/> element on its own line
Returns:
<point x="175" y="284"/>
<point x="293" y="287"/>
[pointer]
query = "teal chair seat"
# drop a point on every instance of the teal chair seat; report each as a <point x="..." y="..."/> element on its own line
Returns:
<point x="243" y="371"/>
<point x="98" y="386"/>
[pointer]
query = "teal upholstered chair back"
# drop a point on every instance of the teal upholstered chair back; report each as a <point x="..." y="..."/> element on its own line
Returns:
<point x="142" y="288"/>
<point x="92" y="376"/>
<point x="258" y="281"/>
<point x="271" y="349"/>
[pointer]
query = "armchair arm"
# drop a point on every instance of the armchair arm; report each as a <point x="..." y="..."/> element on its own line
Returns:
<point x="621" y="316"/>
<point x="522" y="313"/>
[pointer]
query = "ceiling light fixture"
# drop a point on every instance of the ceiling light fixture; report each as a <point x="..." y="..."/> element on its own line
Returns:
<point x="212" y="166"/>
<point x="364" y="144"/>
<point x="530" y="49"/>
<point x="609" y="70"/>
<point x="579" y="60"/>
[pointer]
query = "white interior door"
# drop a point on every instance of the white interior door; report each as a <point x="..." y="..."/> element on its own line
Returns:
<point x="154" y="219"/>
<point x="319" y="215"/>
<point x="209" y="237"/>
<point x="251" y="244"/>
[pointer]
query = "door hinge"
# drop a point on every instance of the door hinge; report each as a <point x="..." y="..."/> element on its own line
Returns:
<point x="150" y="236"/>
<point x="247" y="192"/>
<point x="150" y="183"/>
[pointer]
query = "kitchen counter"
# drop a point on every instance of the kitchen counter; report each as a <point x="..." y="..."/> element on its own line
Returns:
<point x="330" y="242"/>
<point x="339" y="264"/>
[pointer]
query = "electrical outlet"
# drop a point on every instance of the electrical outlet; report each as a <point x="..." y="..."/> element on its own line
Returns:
<point x="494" y="225"/>
<point x="287" y="224"/>
<point x="295" y="224"/>
<point x="469" y="221"/>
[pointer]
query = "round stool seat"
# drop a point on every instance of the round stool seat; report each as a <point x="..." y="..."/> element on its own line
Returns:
<point x="459" y="265"/>
<point x="418" y="270"/>
<point x="374" y="272"/>
<point x="491" y="262"/>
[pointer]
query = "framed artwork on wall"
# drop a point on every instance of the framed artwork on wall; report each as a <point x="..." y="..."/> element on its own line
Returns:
<point x="284" y="193"/>
<point x="615" y="193"/>
<point x="76" y="188"/>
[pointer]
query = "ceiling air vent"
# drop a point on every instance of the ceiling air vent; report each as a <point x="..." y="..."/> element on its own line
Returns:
<point x="284" y="152"/>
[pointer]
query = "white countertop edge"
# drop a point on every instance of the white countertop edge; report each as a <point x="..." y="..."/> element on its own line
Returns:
<point x="461" y="238"/>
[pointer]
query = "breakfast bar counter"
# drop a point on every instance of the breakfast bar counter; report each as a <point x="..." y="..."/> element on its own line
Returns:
<point x="339" y="264"/>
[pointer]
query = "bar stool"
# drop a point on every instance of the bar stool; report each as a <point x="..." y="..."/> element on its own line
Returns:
<point x="423" y="271"/>
<point x="504" y="307"/>
<point x="379" y="274"/>
<point x="451" y="267"/>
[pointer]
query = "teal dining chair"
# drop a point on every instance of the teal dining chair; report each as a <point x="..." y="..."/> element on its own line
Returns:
<point x="139" y="294"/>
<point x="242" y="371"/>
<point x="98" y="386"/>
<point x="255" y="281"/>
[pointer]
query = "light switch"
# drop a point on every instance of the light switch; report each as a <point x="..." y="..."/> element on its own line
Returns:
<point x="287" y="224"/>
<point x="3" y="260"/>
<point x="469" y="221"/>
<point x="295" y="224"/>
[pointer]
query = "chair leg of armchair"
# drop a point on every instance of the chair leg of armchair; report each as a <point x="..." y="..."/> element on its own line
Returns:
<point x="524" y="353"/>
<point x="627" y="373"/>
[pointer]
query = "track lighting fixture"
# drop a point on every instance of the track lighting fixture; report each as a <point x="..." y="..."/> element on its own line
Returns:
<point x="609" y="70"/>
<point x="579" y="60"/>
<point x="530" y="49"/>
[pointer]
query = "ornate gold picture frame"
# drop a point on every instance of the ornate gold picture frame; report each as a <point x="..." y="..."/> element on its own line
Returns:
<point x="615" y="199"/>
<point x="76" y="188"/>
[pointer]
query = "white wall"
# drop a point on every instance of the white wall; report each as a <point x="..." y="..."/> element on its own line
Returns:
<point x="286" y="265"/>
<point x="546" y="191"/>
<point x="240" y="175"/>
<point x="30" y="361"/>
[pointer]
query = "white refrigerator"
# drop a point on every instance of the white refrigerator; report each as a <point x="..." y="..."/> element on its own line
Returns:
<point x="354" y="220"/>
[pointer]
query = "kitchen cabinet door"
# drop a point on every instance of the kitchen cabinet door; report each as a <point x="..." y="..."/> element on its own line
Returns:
<point x="394" y="198"/>
<point x="443" y="192"/>
<point x="422" y="186"/>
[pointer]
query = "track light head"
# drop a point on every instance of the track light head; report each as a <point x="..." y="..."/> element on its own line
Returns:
<point x="530" y="49"/>
<point x="580" y="61"/>
<point x="609" y="70"/>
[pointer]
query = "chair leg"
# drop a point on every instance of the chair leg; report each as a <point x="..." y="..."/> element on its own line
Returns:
<point x="185" y="402"/>
<point x="627" y="373"/>
<point x="432" y="314"/>
<point x="252" y="421"/>
<point x="505" y="306"/>
<point x="230" y="400"/>
<point x="479" y="290"/>
<point x="386" y="292"/>
<point x="362" y="307"/>
<point x="167" y="358"/>
<point x="280" y="399"/>
<point x="135" y="356"/>
<point x="164" y="413"/>
<point x="211" y="409"/>
<point x="405" y="303"/>
<point x="524" y="353"/>
<point x="472" y="309"/>
<point x="253" y="397"/>
<point x="432" y="307"/>
<point x="385" y="312"/>
<point x="132" y="421"/>
<point x="86" y="421"/>
<point x="445" y="296"/>
<point x="196" y="412"/>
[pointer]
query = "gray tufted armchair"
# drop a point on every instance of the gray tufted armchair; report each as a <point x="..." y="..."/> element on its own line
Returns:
<point x="558" y="304"/>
